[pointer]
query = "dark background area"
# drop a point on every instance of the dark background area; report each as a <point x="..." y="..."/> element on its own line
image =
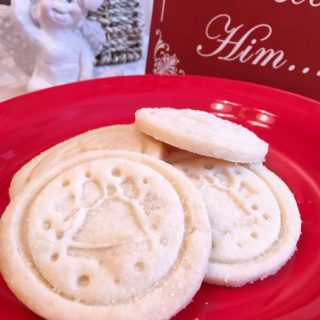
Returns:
<point x="4" y="1"/>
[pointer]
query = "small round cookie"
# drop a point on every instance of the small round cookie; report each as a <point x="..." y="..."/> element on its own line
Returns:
<point x="254" y="219"/>
<point x="106" y="235"/>
<point x="116" y="137"/>
<point x="202" y="133"/>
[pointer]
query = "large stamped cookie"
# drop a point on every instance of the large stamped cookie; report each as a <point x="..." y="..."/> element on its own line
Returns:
<point x="202" y="133"/>
<point x="116" y="137"/>
<point x="106" y="235"/>
<point x="254" y="219"/>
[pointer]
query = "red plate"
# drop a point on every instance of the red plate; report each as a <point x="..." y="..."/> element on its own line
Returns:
<point x="290" y="123"/>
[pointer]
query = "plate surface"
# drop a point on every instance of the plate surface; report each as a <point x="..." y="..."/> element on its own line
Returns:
<point x="290" y="123"/>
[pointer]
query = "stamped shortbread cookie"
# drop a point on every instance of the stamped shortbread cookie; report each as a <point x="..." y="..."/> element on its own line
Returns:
<point x="106" y="235"/>
<point x="202" y="133"/>
<point x="253" y="215"/>
<point x="125" y="137"/>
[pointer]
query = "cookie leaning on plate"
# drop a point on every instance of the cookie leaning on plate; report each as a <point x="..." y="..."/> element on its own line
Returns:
<point x="116" y="137"/>
<point x="254" y="219"/>
<point x="106" y="235"/>
<point x="202" y="133"/>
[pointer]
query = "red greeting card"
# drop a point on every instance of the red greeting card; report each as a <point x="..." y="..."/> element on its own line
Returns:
<point x="271" y="42"/>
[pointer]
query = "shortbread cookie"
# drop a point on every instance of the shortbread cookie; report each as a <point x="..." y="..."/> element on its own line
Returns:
<point x="106" y="235"/>
<point x="202" y="133"/>
<point x="173" y="154"/>
<point x="254" y="219"/>
<point x="125" y="137"/>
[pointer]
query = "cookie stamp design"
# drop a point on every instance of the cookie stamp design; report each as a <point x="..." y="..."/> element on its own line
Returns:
<point x="253" y="231"/>
<point x="101" y="232"/>
<point x="106" y="234"/>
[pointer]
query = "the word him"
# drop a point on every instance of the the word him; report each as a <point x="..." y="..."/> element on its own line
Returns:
<point x="238" y="44"/>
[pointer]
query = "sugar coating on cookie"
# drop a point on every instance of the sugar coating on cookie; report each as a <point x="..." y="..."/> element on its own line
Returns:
<point x="202" y="133"/>
<point x="116" y="137"/>
<point x="106" y="235"/>
<point x="254" y="219"/>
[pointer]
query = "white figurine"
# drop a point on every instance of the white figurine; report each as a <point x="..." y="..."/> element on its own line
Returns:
<point x="14" y="42"/>
<point x="62" y="42"/>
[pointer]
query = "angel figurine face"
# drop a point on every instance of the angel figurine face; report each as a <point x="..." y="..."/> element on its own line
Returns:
<point x="59" y="14"/>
